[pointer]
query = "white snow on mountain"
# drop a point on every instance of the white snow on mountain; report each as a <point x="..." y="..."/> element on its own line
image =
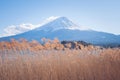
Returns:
<point x="61" y="23"/>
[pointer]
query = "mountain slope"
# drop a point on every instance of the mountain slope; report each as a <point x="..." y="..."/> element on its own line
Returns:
<point x="64" y="29"/>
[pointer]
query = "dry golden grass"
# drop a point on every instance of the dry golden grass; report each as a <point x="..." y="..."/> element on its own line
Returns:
<point x="61" y="65"/>
<point x="31" y="61"/>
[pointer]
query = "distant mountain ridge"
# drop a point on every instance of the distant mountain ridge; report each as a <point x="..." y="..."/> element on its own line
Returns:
<point x="64" y="29"/>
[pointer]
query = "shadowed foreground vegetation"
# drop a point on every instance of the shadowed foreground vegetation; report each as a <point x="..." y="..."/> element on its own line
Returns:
<point x="18" y="61"/>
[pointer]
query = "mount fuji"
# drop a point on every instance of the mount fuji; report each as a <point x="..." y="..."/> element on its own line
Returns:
<point x="64" y="29"/>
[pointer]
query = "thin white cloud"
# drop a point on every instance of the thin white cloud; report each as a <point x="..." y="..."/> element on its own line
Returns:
<point x="48" y="20"/>
<point x="52" y="18"/>
<point x="17" y="29"/>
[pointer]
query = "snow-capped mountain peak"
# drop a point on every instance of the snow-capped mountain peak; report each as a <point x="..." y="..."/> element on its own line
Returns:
<point x="60" y="23"/>
<point x="65" y="29"/>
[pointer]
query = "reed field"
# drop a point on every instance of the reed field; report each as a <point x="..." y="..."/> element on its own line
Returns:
<point x="33" y="61"/>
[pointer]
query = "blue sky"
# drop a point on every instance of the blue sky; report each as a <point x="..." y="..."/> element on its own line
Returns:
<point x="100" y="15"/>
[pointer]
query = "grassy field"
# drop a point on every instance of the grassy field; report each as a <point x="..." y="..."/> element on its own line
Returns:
<point x="26" y="64"/>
